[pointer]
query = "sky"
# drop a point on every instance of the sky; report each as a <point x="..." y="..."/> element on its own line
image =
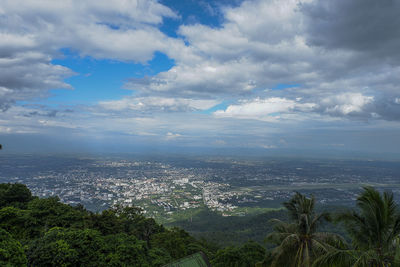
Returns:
<point x="187" y="75"/>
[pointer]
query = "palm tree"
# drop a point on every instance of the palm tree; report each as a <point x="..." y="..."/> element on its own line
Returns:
<point x="298" y="243"/>
<point x="374" y="229"/>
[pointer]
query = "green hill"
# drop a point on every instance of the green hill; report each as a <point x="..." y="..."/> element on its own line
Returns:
<point x="45" y="232"/>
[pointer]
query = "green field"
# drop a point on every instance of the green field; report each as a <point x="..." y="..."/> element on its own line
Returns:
<point x="314" y="186"/>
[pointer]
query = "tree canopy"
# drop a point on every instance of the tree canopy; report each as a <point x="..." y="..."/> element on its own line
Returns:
<point x="298" y="242"/>
<point x="45" y="232"/>
<point x="375" y="232"/>
<point x="11" y="252"/>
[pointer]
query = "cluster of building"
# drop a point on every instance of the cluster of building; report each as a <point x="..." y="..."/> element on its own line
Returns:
<point x="157" y="189"/>
<point x="162" y="188"/>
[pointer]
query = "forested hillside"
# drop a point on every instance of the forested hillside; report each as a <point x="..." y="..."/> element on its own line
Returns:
<point x="235" y="230"/>
<point x="46" y="232"/>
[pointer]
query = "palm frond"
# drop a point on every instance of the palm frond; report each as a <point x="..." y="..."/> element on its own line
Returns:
<point x="337" y="258"/>
<point x="318" y="219"/>
<point x="332" y="241"/>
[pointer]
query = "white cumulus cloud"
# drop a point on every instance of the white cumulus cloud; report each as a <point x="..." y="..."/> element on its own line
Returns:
<point x="262" y="108"/>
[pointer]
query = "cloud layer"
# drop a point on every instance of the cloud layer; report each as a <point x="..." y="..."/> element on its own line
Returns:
<point x="262" y="44"/>
<point x="33" y="33"/>
<point x="270" y="67"/>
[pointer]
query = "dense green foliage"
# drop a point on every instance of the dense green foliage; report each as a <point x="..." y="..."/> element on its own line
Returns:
<point x="374" y="230"/>
<point x="247" y="255"/>
<point x="16" y="195"/>
<point x="46" y="232"/>
<point x="298" y="243"/>
<point x="11" y="252"/>
<point x="232" y="230"/>
<point x="236" y="230"/>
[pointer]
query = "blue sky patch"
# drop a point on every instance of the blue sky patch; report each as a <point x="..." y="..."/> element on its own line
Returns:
<point x="103" y="79"/>
<point x="221" y="106"/>
<point x="283" y="86"/>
